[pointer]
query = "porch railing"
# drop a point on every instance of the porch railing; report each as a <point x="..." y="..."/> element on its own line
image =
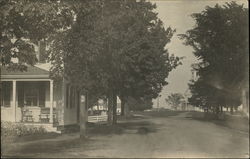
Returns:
<point x="41" y="115"/>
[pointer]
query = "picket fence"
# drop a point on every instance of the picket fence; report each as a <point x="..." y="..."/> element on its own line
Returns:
<point x="97" y="118"/>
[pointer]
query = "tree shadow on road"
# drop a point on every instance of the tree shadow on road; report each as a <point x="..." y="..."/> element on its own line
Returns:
<point x="137" y="127"/>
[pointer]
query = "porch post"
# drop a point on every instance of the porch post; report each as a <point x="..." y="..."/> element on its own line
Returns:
<point x="51" y="102"/>
<point x="14" y="97"/>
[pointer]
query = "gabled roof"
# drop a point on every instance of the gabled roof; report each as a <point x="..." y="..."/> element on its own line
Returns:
<point x="32" y="72"/>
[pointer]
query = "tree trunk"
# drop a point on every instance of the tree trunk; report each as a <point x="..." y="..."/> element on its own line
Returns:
<point x="218" y="109"/>
<point x="114" y="108"/>
<point x="214" y="109"/>
<point x="97" y="104"/>
<point x="236" y="109"/>
<point x="110" y="109"/>
<point x="92" y="111"/>
<point x="126" y="110"/>
<point x="206" y="109"/>
<point x="105" y="104"/>
<point x="231" y="110"/>
<point x="83" y="115"/>
<point x="217" y="113"/>
<point x="122" y="106"/>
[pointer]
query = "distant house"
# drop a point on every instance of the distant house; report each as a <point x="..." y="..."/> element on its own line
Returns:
<point x="31" y="97"/>
<point x="103" y="107"/>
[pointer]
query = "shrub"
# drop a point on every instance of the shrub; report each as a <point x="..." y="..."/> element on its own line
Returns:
<point x="17" y="129"/>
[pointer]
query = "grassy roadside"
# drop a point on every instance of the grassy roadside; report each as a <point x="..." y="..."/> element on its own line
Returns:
<point x="237" y="122"/>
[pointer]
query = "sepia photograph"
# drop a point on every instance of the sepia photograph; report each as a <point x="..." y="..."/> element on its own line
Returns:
<point x="124" y="78"/>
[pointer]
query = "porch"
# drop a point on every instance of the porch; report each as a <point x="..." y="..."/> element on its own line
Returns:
<point x="28" y="101"/>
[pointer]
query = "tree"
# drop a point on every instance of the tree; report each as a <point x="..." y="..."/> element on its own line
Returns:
<point x="118" y="52"/>
<point x="75" y="53"/>
<point x="220" y="41"/>
<point x="175" y="100"/>
<point x="143" y="63"/>
<point x="139" y="104"/>
<point x="23" y="23"/>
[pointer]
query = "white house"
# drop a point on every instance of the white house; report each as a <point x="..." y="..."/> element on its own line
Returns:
<point x="31" y="97"/>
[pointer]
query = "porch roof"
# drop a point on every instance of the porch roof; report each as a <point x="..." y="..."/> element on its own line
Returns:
<point x="32" y="72"/>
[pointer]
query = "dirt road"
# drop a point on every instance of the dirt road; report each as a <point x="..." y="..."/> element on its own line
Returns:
<point x="146" y="135"/>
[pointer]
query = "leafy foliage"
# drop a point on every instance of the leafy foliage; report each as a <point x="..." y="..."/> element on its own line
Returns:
<point x="175" y="100"/>
<point x="25" y="22"/>
<point x="139" y="104"/>
<point x="115" y="46"/>
<point x="220" y="41"/>
<point x="14" y="130"/>
<point x="106" y="47"/>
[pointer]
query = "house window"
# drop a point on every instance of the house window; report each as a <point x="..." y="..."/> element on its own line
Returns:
<point x="31" y="97"/>
<point x="5" y="93"/>
<point x="27" y="94"/>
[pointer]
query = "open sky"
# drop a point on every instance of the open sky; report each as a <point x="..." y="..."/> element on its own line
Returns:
<point x="176" y="14"/>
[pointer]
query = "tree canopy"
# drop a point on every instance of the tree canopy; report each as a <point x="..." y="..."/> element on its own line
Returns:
<point x="106" y="47"/>
<point x="115" y="48"/>
<point x="25" y="22"/>
<point x="121" y="44"/>
<point x="175" y="100"/>
<point x="220" y="42"/>
<point x="139" y="104"/>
